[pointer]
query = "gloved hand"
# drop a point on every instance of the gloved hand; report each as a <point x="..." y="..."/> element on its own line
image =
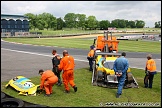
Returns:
<point x="39" y="91"/>
<point x="119" y="73"/>
<point x="147" y="72"/>
<point x="88" y="58"/>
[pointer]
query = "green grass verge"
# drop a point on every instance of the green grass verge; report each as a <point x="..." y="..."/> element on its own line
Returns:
<point x="82" y="43"/>
<point x="79" y="31"/>
<point x="65" y="32"/>
<point x="91" y="96"/>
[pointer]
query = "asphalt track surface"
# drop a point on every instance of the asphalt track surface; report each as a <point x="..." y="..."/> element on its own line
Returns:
<point x="26" y="60"/>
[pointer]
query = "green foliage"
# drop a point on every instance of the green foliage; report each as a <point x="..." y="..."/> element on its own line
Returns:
<point x="104" y="24"/>
<point x="72" y="20"/>
<point x="158" y="24"/>
<point x="92" y="22"/>
<point x="91" y="96"/>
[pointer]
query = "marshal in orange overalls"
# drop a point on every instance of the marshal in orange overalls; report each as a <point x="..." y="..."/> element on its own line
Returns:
<point x="150" y="70"/>
<point x="48" y="79"/>
<point x="67" y="65"/>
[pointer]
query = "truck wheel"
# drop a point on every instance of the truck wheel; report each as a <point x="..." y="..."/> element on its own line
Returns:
<point x="12" y="102"/>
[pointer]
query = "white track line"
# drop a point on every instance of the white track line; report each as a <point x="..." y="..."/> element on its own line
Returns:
<point x="51" y="56"/>
<point x="37" y="54"/>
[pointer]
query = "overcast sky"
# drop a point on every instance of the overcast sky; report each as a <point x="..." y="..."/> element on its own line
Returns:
<point x="148" y="11"/>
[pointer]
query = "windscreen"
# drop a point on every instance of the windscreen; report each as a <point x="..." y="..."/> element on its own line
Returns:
<point x="108" y="64"/>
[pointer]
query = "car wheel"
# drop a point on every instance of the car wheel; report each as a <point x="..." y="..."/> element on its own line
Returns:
<point x="12" y="102"/>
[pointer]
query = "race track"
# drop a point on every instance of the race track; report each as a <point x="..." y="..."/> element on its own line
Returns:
<point x="26" y="60"/>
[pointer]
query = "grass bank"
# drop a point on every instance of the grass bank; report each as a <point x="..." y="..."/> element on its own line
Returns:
<point x="79" y="31"/>
<point x="94" y="96"/>
<point x="84" y="43"/>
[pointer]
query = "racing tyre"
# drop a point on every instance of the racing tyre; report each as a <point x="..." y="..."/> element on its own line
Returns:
<point x="3" y="95"/>
<point x="12" y="102"/>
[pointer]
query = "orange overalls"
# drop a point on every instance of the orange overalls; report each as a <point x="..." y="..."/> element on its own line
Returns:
<point x="48" y="79"/>
<point x="90" y="58"/>
<point x="91" y="53"/>
<point x="151" y="65"/>
<point x="67" y="65"/>
<point x="151" y="68"/>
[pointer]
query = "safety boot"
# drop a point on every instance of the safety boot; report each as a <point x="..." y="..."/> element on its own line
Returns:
<point x="75" y="89"/>
<point x="118" y="95"/>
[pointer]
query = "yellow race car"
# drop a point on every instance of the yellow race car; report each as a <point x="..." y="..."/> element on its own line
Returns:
<point x="23" y="85"/>
<point x="104" y="75"/>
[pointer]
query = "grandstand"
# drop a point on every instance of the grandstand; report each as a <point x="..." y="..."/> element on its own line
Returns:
<point x="14" y="25"/>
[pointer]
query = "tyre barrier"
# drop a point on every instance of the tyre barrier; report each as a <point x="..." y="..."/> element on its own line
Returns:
<point x="36" y="106"/>
<point x="9" y="101"/>
<point x="3" y="95"/>
<point x="12" y="102"/>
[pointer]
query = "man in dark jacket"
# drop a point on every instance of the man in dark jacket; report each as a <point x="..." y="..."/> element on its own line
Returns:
<point x="55" y="62"/>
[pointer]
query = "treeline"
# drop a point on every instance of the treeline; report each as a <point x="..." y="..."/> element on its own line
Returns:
<point x="80" y="21"/>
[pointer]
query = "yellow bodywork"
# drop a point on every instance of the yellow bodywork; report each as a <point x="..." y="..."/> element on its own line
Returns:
<point x="100" y="61"/>
<point x="23" y="85"/>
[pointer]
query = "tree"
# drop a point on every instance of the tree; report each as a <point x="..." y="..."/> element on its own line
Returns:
<point x="32" y="20"/>
<point x="114" y="23"/>
<point x="104" y="24"/>
<point x="127" y="24"/>
<point x="121" y="23"/>
<point x="40" y="22"/>
<point x="81" y="20"/>
<point x="140" y="23"/>
<point x="70" y="20"/>
<point x="132" y="24"/>
<point x="91" y="22"/>
<point x="158" y="24"/>
<point x="59" y="23"/>
<point x="53" y="23"/>
<point x="49" y="20"/>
